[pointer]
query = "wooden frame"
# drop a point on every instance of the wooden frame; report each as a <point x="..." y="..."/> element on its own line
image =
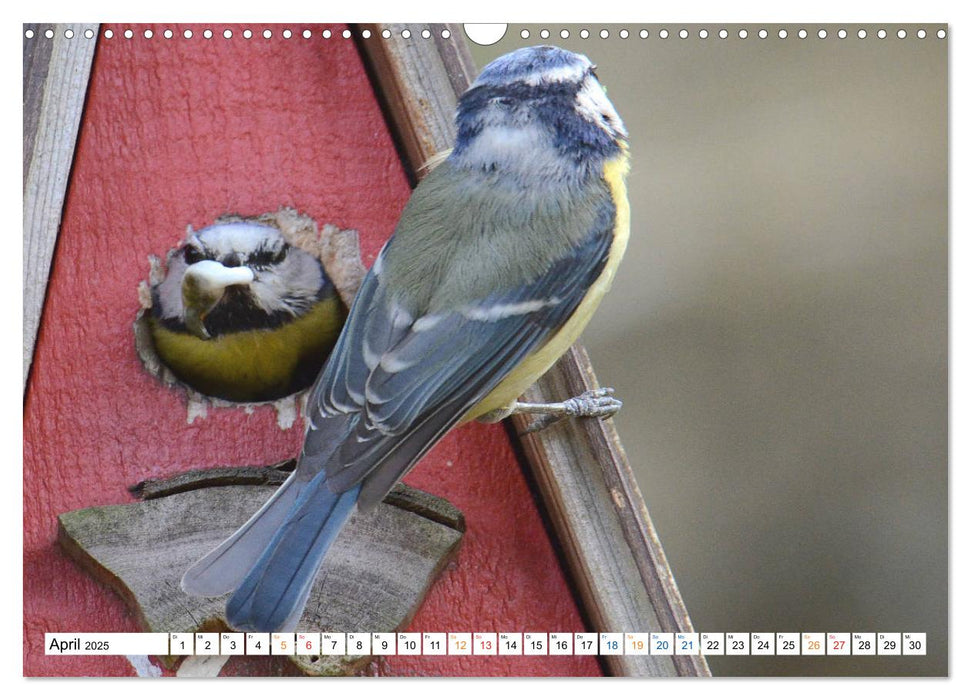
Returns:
<point x="615" y="558"/>
<point x="56" y="74"/>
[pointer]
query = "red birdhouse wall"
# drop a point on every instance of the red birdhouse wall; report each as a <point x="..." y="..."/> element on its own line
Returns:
<point x="177" y="132"/>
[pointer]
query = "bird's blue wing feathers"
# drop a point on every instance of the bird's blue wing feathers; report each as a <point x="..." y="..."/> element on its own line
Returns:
<point x="392" y="387"/>
<point x="428" y="374"/>
<point x="333" y="387"/>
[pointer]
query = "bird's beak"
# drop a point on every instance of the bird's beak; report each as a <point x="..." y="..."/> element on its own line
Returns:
<point x="203" y="285"/>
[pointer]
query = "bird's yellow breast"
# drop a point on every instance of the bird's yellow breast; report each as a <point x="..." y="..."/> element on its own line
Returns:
<point x="536" y="364"/>
<point x="254" y="365"/>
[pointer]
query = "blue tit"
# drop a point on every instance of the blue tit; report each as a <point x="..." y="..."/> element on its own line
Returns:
<point x="496" y="265"/>
<point x="244" y="316"/>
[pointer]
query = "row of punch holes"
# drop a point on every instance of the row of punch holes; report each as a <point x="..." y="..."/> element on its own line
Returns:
<point x="524" y="34"/>
<point x="229" y="33"/>
<point x="725" y="34"/>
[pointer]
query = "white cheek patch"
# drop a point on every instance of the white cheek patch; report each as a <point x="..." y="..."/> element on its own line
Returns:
<point x="592" y="104"/>
<point x="289" y="286"/>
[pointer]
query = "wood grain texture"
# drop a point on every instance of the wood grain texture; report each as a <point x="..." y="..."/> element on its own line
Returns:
<point x="417" y="83"/>
<point x="376" y="576"/>
<point x="600" y="518"/>
<point x="606" y="532"/>
<point x="56" y="73"/>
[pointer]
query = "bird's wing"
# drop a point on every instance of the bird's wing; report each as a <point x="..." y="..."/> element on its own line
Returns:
<point x="395" y="384"/>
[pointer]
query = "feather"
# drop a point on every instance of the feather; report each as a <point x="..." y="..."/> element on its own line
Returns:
<point x="275" y="591"/>
<point x="222" y="570"/>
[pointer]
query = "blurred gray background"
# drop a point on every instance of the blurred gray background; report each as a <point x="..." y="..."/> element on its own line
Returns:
<point x="778" y="331"/>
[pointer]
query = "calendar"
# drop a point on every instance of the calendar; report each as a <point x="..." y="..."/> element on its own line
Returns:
<point x="491" y="644"/>
<point x="787" y="202"/>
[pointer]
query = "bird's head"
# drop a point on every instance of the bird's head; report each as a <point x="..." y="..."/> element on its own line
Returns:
<point x="237" y="276"/>
<point x="534" y="108"/>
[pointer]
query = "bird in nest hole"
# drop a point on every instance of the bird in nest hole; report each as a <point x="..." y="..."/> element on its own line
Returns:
<point x="243" y="315"/>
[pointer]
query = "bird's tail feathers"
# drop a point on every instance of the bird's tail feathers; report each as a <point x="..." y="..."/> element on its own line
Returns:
<point x="222" y="569"/>
<point x="272" y="596"/>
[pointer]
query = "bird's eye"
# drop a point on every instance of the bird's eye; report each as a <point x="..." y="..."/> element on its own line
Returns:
<point x="267" y="256"/>
<point x="192" y="255"/>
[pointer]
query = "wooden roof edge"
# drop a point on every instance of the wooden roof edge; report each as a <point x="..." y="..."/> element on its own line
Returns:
<point x="56" y="75"/>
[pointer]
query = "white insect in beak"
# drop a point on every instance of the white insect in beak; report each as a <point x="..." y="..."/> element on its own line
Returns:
<point x="203" y="285"/>
<point x="212" y="275"/>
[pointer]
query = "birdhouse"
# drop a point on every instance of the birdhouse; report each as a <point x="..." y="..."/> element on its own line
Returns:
<point x="534" y="532"/>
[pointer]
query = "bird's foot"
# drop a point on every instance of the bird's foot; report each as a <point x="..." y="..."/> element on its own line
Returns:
<point x="596" y="403"/>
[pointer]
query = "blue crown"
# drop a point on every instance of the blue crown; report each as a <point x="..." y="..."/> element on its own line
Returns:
<point x="535" y="64"/>
<point x="534" y="88"/>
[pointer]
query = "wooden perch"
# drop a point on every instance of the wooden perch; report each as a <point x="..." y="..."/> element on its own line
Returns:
<point x="606" y="532"/>
<point x="601" y="522"/>
<point x="373" y="579"/>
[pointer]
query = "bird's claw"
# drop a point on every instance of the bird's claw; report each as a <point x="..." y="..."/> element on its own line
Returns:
<point x="595" y="403"/>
